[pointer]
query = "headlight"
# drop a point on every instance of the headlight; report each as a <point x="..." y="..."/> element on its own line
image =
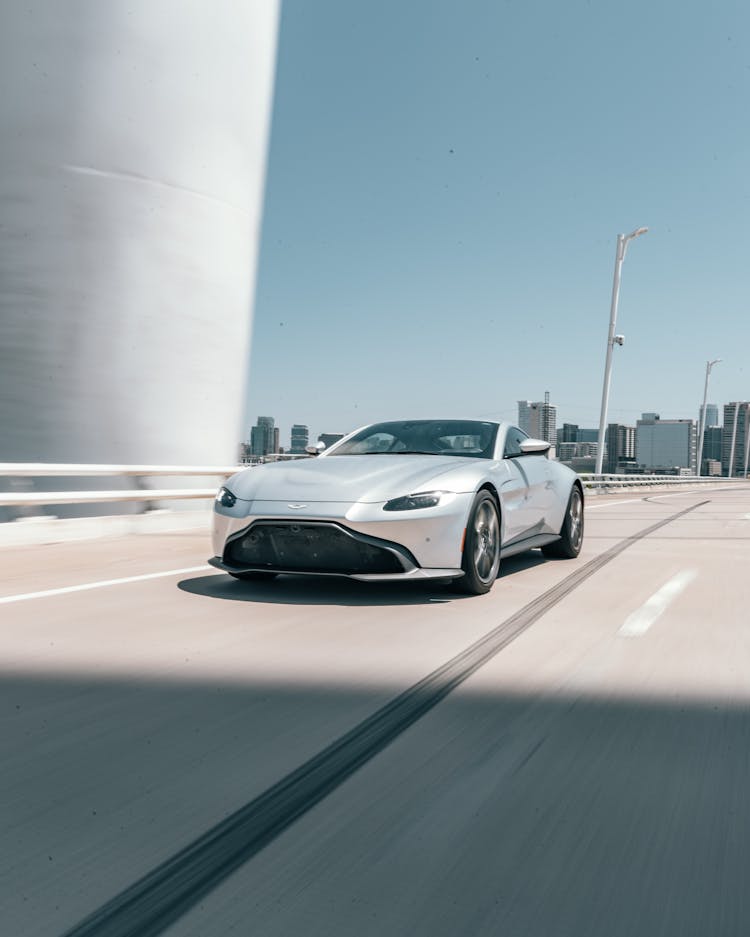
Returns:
<point x="225" y="498"/>
<point x="425" y="499"/>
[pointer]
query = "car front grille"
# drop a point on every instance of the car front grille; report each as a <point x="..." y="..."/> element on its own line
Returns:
<point x="309" y="548"/>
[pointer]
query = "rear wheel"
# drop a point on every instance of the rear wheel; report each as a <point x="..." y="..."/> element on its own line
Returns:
<point x="254" y="577"/>
<point x="571" y="536"/>
<point x="481" y="556"/>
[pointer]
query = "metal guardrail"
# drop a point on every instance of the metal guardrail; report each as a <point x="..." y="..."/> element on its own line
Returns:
<point x="613" y="482"/>
<point x="49" y="469"/>
<point x="32" y="470"/>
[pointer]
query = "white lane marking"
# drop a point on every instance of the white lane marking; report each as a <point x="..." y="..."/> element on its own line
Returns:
<point x="678" y="494"/>
<point x="639" y="621"/>
<point x="610" y="504"/>
<point x="651" y="497"/>
<point x="6" y="599"/>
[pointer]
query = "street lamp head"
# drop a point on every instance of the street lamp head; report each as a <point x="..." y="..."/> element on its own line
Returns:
<point x="638" y="232"/>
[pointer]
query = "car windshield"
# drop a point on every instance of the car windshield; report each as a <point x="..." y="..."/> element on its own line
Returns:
<point x="465" y="438"/>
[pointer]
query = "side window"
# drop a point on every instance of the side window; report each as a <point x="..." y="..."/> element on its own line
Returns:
<point x="513" y="442"/>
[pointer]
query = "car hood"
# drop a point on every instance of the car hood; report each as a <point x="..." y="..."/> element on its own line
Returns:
<point x="367" y="478"/>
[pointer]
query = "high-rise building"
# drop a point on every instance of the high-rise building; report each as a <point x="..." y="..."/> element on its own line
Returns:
<point x="538" y="419"/>
<point x="735" y="439"/>
<point x="546" y="420"/>
<point x="264" y="437"/>
<point x="712" y="439"/>
<point x="708" y="427"/>
<point x="524" y="417"/>
<point x="568" y="433"/>
<point x="300" y="438"/>
<point x="619" y="446"/>
<point x="712" y="414"/>
<point x="328" y="439"/>
<point x="665" y="444"/>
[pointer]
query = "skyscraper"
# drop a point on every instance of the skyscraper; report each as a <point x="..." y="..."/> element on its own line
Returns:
<point x="735" y="439"/>
<point x="264" y="437"/>
<point x="328" y="439"/>
<point x="538" y="419"/>
<point x="300" y="438"/>
<point x="620" y="445"/>
<point x="712" y="440"/>
<point x="568" y="433"/>
<point x="524" y="417"/>
<point x="712" y="414"/>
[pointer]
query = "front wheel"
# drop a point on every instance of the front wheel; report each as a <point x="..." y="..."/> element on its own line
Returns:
<point x="571" y="535"/>
<point x="481" y="557"/>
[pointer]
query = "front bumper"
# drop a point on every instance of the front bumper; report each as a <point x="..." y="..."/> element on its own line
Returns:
<point x="359" y="541"/>
<point x="413" y="574"/>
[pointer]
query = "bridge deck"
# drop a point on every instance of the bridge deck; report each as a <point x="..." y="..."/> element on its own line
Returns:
<point x="590" y="778"/>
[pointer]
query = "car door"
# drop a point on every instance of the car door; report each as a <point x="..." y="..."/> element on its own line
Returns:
<point x="525" y="489"/>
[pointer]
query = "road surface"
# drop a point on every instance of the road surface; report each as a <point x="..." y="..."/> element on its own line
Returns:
<point x="569" y="755"/>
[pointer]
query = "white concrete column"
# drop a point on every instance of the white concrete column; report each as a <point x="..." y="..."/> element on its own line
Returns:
<point x="132" y="165"/>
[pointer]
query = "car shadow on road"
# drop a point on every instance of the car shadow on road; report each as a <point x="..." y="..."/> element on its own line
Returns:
<point x="312" y="590"/>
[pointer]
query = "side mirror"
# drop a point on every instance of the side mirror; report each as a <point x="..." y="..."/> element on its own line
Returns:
<point x="534" y="446"/>
<point x="315" y="448"/>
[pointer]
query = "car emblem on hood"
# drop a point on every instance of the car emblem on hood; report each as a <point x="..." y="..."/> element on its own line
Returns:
<point x="295" y="507"/>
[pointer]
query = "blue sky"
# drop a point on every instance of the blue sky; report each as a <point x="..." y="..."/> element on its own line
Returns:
<point x="445" y="185"/>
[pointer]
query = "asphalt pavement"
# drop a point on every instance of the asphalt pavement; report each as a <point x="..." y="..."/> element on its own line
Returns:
<point x="190" y="755"/>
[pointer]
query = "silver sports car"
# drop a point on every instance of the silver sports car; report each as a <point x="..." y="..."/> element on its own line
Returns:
<point x="413" y="499"/>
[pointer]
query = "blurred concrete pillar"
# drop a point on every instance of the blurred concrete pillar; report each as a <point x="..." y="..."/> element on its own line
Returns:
<point x="132" y="162"/>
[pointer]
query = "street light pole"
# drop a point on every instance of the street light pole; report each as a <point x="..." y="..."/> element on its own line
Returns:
<point x="612" y="339"/>
<point x="702" y="420"/>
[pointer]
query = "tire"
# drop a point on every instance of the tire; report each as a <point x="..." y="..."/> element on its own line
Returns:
<point x="481" y="557"/>
<point x="254" y="577"/>
<point x="571" y="535"/>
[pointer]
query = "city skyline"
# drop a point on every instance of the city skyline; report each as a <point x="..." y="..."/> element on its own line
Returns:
<point x="653" y="443"/>
<point x="314" y="432"/>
